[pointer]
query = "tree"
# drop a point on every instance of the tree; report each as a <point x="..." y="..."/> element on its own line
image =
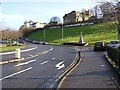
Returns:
<point x="55" y="19"/>
<point x="24" y="31"/>
<point x="118" y="17"/>
<point x="108" y="10"/>
<point x="9" y="34"/>
<point x="111" y="12"/>
<point x="97" y="11"/>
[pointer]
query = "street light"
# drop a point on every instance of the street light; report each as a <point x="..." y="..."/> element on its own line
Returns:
<point x="44" y="35"/>
<point x="62" y="33"/>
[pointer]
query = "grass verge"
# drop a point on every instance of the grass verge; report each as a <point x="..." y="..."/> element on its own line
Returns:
<point x="91" y="33"/>
<point x="9" y="48"/>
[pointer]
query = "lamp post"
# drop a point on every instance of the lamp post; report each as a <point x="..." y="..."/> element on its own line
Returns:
<point x="44" y="35"/>
<point x="62" y="33"/>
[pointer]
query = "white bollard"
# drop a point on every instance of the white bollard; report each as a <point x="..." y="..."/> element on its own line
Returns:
<point x="18" y="54"/>
<point x="81" y="39"/>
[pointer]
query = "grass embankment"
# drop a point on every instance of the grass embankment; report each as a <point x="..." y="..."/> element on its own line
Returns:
<point x="8" y="48"/>
<point x="91" y="34"/>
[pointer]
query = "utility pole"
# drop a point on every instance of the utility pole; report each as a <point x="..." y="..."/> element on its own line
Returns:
<point x="44" y="34"/>
<point x="62" y="33"/>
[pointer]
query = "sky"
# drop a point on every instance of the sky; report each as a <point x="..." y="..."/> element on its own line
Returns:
<point x="13" y="13"/>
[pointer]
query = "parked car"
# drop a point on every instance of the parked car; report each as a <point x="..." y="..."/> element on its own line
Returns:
<point x="35" y="42"/>
<point x="44" y="43"/>
<point x="99" y="46"/>
<point x="4" y="42"/>
<point x="114" y="43"/>
<point x="15" y="43"/>
<point x="21" y="41"/>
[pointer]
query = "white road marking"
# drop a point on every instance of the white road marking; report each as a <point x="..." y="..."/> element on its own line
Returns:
<point x="60" y="65"/>
<point x="45" y="52"/>
<point x="51" y="49"/>
<point x="25" y="63"/>
<point x="16" y="73"/>
<point x="77" y="49"/>
<point x="102" y="65"/>
<point x="44" y="62"/>
<point x="53" y="58"/>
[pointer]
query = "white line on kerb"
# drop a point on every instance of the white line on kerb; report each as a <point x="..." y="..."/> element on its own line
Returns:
<point x="25" y="63"/>
<point x="16" y="73"/>
<point x="44" y="62"/>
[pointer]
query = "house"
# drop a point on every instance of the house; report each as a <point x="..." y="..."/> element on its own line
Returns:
<point x="76" y="16"/>
<point x="32" y="25"/>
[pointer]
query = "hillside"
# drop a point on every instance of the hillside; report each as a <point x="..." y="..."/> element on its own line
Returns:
<point x="91" y="34"/>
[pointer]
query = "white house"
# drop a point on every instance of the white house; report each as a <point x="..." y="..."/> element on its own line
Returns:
<point x="33" y="25"/>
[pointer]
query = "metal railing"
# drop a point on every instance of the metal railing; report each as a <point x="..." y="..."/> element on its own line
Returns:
<point x="114" y="55"/>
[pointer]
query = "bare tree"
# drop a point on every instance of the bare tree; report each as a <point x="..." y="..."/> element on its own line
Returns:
<point x="23" y="31"/>
<point x="9" y="34"/>
<point x="108" y="10"/>
<point x="111" y="12"/>
<point x="97" y="11"/>
<point x="118" y="17"/>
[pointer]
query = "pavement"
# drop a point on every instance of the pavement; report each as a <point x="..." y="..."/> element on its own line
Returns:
<point x="93" y="71"/>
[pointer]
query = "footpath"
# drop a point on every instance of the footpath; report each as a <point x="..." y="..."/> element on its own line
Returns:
<point x="93" y="71"/>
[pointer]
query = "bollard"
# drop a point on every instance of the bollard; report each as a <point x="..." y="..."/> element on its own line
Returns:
<point x="81" y="39"/>
<point x="17" y="55"/>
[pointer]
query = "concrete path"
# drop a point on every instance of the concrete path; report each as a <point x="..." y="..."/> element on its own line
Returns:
<point x="92" y="72"/>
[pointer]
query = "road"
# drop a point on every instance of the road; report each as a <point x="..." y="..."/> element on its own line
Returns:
<point x="39" y="71"/>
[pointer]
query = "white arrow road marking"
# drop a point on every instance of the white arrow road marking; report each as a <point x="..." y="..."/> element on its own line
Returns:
<point x="25" y="63"/>
<point x="60" y="65"/>
<point x="44" y="62"/>
<point x="16" y="73"/>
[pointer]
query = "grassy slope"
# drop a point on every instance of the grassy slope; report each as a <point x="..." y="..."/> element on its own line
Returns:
<point x="91" y="34"/>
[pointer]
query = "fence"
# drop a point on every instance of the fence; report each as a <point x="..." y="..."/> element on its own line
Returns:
<point x="114" y="54"/>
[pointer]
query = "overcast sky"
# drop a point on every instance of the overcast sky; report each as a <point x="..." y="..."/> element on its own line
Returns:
<point x="13" y="13"/>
